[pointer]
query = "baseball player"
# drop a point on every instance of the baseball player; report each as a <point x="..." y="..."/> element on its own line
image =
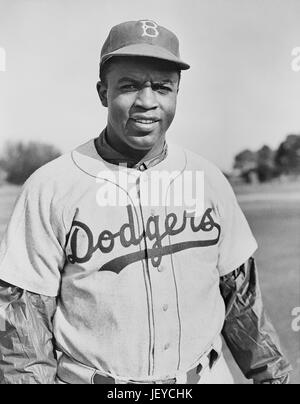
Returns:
<point x="109" y="273"/>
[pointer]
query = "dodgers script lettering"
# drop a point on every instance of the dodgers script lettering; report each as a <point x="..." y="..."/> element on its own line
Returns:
<point x="151" y="234"/>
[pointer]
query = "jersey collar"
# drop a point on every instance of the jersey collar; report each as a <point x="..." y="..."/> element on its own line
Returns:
<point x="87" y="159"/>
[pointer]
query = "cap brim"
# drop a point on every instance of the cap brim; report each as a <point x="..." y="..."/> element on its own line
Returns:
<point x="145" y="50"/>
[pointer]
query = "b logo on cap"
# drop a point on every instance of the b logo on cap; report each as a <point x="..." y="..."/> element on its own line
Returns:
<point x="150" y="29"/>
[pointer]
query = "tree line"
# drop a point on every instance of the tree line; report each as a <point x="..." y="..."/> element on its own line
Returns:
<point x="19" y="160"/>
<point x="267" y="164"/>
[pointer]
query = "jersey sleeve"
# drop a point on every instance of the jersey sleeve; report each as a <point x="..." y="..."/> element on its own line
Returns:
<point x="237" y="242"/>
<point x="32" y="249"/>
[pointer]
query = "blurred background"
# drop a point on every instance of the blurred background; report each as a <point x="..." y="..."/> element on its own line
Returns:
<point x="238" y="106"/>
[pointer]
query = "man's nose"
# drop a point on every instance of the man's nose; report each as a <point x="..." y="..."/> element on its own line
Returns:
<point x="146" y="98"/>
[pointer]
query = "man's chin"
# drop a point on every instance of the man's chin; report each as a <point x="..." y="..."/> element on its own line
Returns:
<point x="144" y="142"/>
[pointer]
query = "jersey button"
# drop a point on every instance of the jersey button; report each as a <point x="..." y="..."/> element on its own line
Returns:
<point x="142" y="167"/>
<point x="165" y="307"/>
<point x="167" y="346"/>
<point x="161" y="268"/>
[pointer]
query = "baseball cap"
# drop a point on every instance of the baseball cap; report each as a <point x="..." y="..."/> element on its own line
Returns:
<point x="142" y="38"/>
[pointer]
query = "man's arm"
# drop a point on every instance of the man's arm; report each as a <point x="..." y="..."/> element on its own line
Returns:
<point x="248" y="332"/>
<point x="26" y="347"/>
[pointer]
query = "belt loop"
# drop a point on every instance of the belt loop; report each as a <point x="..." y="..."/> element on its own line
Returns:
<point x="117" y="381"/>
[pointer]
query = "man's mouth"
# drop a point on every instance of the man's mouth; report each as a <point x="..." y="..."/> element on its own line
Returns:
<point x="145" y="121"/>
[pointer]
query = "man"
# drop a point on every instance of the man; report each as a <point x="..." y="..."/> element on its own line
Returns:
<point x="110" y="275"/>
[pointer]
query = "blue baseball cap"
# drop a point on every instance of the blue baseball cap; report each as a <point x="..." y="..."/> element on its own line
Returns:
<point x="144" y="38"/>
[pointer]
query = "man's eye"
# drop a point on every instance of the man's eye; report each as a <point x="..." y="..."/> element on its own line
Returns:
<point x="162" y="88"/>
<point x="129" y="87"/>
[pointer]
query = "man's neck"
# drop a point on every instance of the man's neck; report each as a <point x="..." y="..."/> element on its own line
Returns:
<point x="134" y="155"/>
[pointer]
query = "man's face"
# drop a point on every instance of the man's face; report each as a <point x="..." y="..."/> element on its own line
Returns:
<point x="141" y="96"/>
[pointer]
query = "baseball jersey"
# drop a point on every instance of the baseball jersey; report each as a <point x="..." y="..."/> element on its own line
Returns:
<point x="135" y="267"/>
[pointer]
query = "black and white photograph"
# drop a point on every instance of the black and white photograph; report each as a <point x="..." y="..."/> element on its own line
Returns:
<point x="150" y="194"/>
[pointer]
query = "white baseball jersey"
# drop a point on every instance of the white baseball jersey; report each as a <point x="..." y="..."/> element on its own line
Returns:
<point x="137" y="283"/>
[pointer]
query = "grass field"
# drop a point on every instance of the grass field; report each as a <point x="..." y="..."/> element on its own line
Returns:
<point x="275" y="220"/>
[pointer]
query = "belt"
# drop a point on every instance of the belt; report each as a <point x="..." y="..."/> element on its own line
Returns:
<point x="73" y="372"/>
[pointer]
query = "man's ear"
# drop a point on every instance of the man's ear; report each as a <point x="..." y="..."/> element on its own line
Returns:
<point x="102" y="92"/>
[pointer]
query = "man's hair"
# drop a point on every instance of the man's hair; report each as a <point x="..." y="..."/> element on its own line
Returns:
<point x="107" y="66"/>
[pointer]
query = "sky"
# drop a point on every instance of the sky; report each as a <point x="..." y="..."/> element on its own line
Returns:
<point x="240" y="92"/>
